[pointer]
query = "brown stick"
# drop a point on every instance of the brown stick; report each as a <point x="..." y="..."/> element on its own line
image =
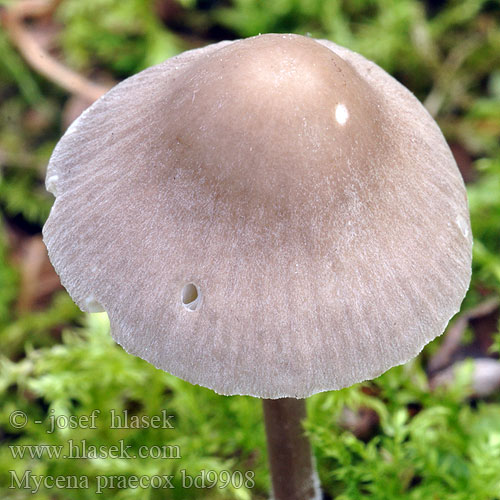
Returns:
<point x="453" y="337"/>
<point x="39" y="59"/>
<point x="293" y="472"/>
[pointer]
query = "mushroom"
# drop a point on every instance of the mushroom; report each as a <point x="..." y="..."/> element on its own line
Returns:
<point x="274" y="217"/>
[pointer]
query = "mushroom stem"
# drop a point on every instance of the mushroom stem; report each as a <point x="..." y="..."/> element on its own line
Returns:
<point x="293" y="471"/>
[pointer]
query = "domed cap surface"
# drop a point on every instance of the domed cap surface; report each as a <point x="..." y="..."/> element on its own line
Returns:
<point x="275" y="216"/>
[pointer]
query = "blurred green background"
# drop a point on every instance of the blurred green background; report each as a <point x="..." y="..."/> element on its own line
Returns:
<point x="406" y="435"/>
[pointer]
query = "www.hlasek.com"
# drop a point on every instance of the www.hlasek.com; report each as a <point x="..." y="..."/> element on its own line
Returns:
<point x="33" y="483"/>
<point x="82" y="449"/>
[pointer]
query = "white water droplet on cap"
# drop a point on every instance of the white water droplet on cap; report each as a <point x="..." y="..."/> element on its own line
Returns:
<point x="92" y="305"/>
<point x="341" y="114"/>
<point x="463" y="226"/>
<point x="51" y="184"/>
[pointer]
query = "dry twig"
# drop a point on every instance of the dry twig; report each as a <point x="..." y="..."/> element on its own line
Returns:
<point x="13" y="19"/>
<point x="453" y="338"/>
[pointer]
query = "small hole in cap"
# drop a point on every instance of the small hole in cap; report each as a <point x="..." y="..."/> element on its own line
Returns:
<point x="191" y="297"/>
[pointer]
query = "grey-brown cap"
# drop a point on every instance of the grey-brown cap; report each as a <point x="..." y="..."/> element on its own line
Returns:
<point x="275" y="216"/>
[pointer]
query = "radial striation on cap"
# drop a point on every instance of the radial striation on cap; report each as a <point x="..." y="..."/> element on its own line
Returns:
<point x="274" y="216"/>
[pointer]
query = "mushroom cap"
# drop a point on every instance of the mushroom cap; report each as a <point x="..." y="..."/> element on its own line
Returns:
<point x="275" y="217"/>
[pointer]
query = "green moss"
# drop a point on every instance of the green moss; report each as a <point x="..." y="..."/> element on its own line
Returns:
<point x="427" y="444"/>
